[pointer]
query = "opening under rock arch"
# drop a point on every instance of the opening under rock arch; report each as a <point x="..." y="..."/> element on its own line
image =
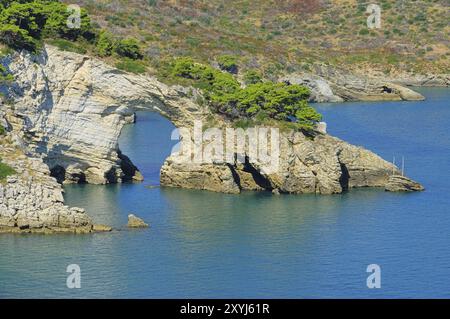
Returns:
<point x="148" y="143"/>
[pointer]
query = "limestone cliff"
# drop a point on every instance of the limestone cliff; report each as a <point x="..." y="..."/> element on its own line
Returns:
<point x="70" y="109"/>
<point x="31" y="200"/>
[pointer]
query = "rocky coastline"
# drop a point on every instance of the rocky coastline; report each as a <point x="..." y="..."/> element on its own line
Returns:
<point x="31" y="201"/>
<point x="64" y="116"/>
<point x="332" y="84"/>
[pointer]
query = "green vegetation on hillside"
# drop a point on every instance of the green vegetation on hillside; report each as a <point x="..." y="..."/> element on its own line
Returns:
<point x="264" y="101"/>
<point x="130" y="65"/>
<point x="228" y="63"/>
<point x="274" y="36"/>
<point x="128" y="48"/>
<point x="24" y="24"/>
<point x="252" y="77"/>
<point x="5" y="76"/>
<point x="27" y="24"/>
<point x="286" y="35"/>
<point x="5" y="171"/>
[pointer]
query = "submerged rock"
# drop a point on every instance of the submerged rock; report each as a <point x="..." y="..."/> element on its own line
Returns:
<point x="101" y="228"/>
<point x="136" y="222"/>
<point x="398" y="183"/>
<point x="151" y="186"/>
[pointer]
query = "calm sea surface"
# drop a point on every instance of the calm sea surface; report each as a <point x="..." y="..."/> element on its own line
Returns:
<point x="256" y="245"/>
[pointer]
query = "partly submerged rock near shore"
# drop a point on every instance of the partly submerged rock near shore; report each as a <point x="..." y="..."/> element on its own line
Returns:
<point x="136" y="222"/>
<point x="399" y="183"/>
<point x="68" y="113"/>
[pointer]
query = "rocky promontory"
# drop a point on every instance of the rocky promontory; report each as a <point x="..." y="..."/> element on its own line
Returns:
<point x="319" y="164"/>
<point x="332" y="84"/>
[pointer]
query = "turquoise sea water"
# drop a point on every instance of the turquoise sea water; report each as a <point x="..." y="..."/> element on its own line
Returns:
<point x="256" y="245"/>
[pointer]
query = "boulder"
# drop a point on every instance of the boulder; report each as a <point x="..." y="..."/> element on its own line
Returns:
<point x="136" y="222"/>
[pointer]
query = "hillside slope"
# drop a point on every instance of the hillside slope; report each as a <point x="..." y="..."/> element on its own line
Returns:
<point x="287" y="35"/>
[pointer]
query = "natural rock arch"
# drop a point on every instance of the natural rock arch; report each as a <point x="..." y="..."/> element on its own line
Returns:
<point x="71" y="110"/>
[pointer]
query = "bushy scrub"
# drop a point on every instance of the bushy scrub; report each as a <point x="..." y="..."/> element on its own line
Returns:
<point x="5" y="171"/>
<point x="130" y="65"/>
<point x="5" y="76"/>
<point x="108" y="45"/>
<point x="129" y="48"/>
<point x="263" y="101"/>
<point x="252" y="77"/>
<point x="24" y="24"/>
<point x="228" y="63"/>
<point x="105" y="44"/>
<point x="214" y="82"/>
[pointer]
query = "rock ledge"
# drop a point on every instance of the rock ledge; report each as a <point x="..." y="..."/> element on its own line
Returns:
<point x="398" y="183"/>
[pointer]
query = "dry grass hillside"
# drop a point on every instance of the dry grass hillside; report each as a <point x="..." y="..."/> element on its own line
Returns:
<point x="284" y="35"/>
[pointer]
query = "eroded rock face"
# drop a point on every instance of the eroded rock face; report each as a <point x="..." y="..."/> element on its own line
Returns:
<point x="212" y="177"/>
<point x="32" y="201"/>
<point x="70" y="110"/>
<point x="319" y="87"/>
<point x="321" y="164"/>
<point x="442" y="80"/>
